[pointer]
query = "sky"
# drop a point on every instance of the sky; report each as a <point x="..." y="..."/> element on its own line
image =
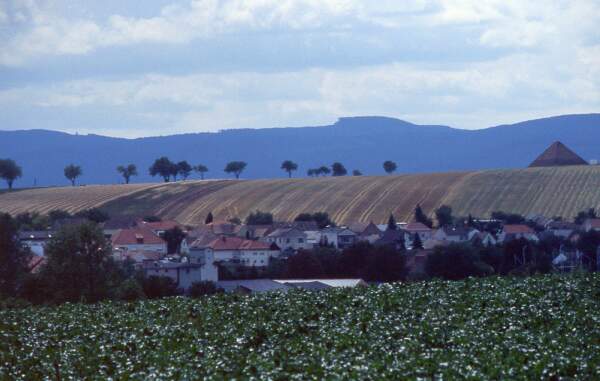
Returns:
<point x="159" y="67"/>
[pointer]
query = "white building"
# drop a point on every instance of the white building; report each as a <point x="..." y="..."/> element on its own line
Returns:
<point x="35" y="240"/>
<point x="138" y="239"/>
<point x="236" y="250"/>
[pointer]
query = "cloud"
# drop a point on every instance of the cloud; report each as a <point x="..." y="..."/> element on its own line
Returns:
<point x="509" y="23"/>
<point x="471" y="95"/>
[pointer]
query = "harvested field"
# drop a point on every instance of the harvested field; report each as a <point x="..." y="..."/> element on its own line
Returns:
<point x="550" y="191"/>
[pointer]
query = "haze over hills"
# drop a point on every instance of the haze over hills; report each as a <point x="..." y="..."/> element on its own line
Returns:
<point x="359" y="143"/>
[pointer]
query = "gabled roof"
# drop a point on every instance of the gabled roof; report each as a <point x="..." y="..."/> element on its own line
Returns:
<point x="456" y="231"/>
<point x="224" y="228"/>
<point x="235" y="243"/>
<point x="594" y="223"/>
<point x="37" y="235"/>
<point x="518" y="229"/>
<point x="556" y="155"/>
<point x="252" y="285"/>
<point x="390" y="237"/>
<point x="329" y="282"/>
<point x="364" y="228"/>
<point x="132" y="236"/>
<point x="285" y="232"/>
<point x="159" y="225"/>
<point x="414" y="227"/>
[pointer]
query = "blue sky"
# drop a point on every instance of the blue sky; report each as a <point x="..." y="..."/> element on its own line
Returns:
<point x="156" y="67"/>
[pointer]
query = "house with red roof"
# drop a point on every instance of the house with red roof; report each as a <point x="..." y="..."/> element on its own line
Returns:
<point x="159" y="227"/>
<point x="422" y="230"/>
<point x="517" y="231"/>
<point x="591" y="224"/>
<point x="237" y="250"/>
<point x="139" y="238"/>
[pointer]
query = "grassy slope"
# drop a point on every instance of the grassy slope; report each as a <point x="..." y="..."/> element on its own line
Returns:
<point x="537" y="328"/>
<point x="551" y="191"/>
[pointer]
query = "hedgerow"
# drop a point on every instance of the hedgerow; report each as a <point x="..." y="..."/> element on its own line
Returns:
<point x="494" y="328"/>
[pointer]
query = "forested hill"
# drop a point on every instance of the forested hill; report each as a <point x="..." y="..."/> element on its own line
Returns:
<point x="361" y="143"/>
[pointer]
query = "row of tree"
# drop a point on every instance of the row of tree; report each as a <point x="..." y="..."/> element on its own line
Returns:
<point x="164" y="167"/>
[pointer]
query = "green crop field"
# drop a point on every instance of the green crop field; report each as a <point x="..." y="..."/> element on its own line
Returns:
<point x="559" y="191"/>
<point x="545" y="327"/>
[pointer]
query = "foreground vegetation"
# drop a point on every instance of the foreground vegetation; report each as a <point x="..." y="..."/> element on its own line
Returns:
<point x="544" y="327"/>
<point x="562" y="191"/>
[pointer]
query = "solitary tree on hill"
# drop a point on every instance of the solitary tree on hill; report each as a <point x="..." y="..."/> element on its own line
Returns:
<point x="163" y="167"/>
<point x="323" y="170"/>
<point x="289" y="166"/>
<point x="235" y="167"/>
<point x="127" y="171"/>
<point x="338" y="169"/>
<point x="201" y="169"/>
<point x="356" y="172"/>
<point x="389" y="166"/>
<point x="184" y="169"/>
<point x="72" y="172"/>
<point x="9" y="171"/>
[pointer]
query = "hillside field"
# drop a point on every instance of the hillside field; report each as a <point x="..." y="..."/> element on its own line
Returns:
<point x="558" y="191"/>
<point x="538" y="328"/>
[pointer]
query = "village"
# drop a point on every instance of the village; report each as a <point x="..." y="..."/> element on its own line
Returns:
<point x="221" y="251"/>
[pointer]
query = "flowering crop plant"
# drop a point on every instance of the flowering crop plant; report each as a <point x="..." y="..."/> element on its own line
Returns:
<point x="543" y="327"/>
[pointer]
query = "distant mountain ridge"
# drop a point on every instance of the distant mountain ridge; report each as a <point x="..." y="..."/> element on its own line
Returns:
<point x="361" y="143"/>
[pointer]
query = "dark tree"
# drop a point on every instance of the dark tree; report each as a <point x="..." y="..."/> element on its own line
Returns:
<point x="235" y="167"/>
<point x="507" y="218"/>
<point x="417" y="243"/>
<point x="94" y="215"/>
<point x="173" y="237"/>
<point x="58" y="214"/>
<point x="127" y="171"/>
<point x="199" y="289"/>
<point x="14" y="259"/>
<point x="9" y="171"/>
<point x="184" y="169"/>
<point x="389" y="167"/>
<point x="456" y="261"/>
<point x="304" y="264"/>
<point x="162" y="167"/>
<point x="259" y="218"/>
<point x="160" y="287"/>
<point x="421" y="217"/>
<point x="338" y="169"/>
<point x="201" y="169"/>
<point x="312" y="172"/>
<point x="384" y="264"/>
<point x="392" y="223"/>
<point x="356" y="172"/>
<point x="443" y="214"/>
<point x="304" y="217"/>
<point x="323" y="170"/>
<point x="584" y="215"/>
<point x="321" y="218"/>
<point x="79" y="266"/>
<point x="209" y="218"/>
<point x="72" y="172"/>
<point x="588" y="244"/>
<point x="354" y="260"/>
<point x="289" y="166"/>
